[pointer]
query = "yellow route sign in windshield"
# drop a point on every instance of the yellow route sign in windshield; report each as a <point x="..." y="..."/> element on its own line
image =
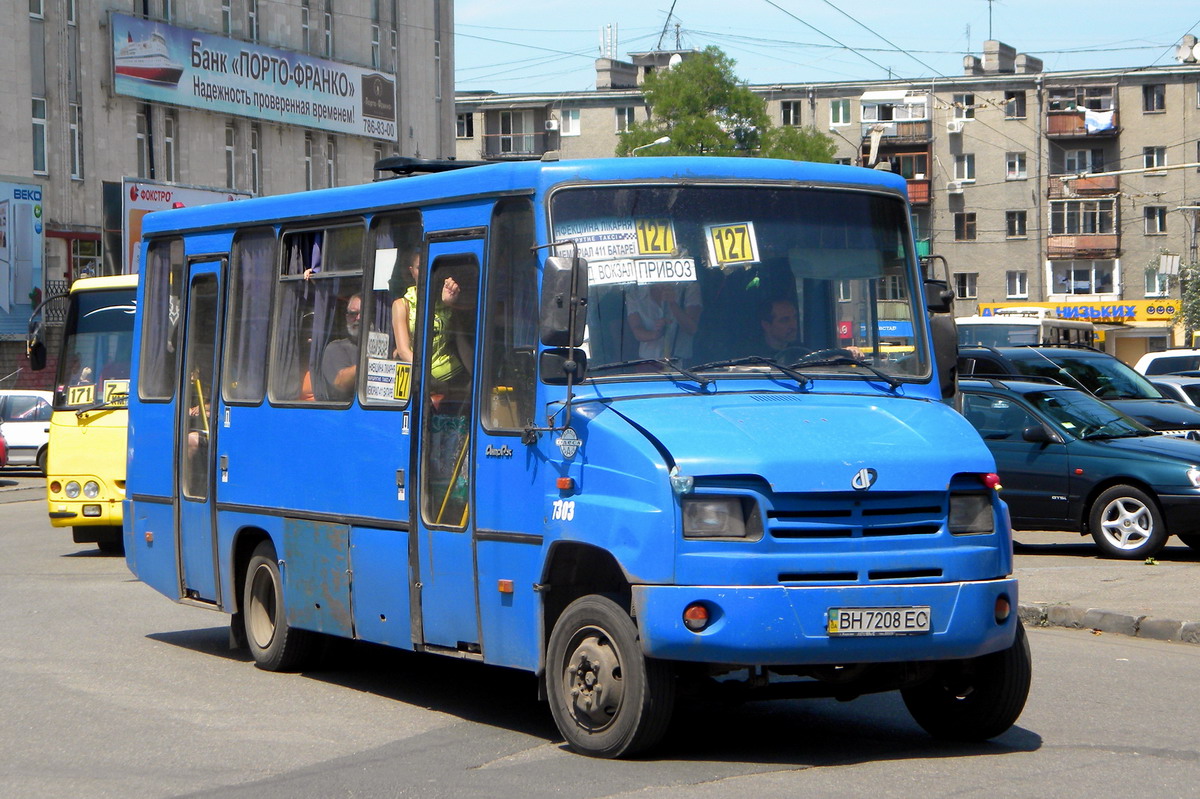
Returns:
<point x="655" y="237"/>
<point x="732" y="244"/>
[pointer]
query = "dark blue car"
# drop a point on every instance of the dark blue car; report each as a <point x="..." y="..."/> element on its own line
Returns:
<point x="1068" y="461"/>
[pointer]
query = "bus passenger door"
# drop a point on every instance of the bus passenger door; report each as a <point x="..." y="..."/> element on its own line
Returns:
<point x="196" y="436"/>
<point x="446" y="608"/>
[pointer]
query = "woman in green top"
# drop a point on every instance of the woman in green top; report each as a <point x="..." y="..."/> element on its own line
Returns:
<point x="446" y="365"/>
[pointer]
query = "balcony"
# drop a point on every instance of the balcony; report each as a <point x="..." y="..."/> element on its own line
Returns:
<point x="513" y="146"/>
<point x="919" y="131"/>
<point x="918" y="192"/>
<point x="1078" y="124"/>
<point x="1080" y="246"/>
<point x="1062" y="187"/>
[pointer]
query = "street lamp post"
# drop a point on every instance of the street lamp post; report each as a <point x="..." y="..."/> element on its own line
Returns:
<point x="655" y="143"/>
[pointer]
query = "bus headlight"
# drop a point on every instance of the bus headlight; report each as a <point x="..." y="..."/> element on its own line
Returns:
<point x="72" y="490"/>
<point x="91" y="489"/>
<point x="971" y="513"/>
<point x="721" y="517"/>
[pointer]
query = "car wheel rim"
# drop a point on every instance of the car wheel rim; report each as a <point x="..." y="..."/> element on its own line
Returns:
<point x="1127" y="523"/>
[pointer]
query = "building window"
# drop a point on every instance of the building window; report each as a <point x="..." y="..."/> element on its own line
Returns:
<point x="305" y="26"/>
<point x="625" y="118"/>
<point x="39" y="135"/>
<point x="845" y="293"/>
<point x="789" y="113"/>
<point x="964" y="106"/>
<point x="374" y="45"/>
<point x="839" y="112"/>
<point x="35" y="9"/>
<point x="569" y="124"/>
<point x="170" y="147"/>
<point x="964" y="168"/>
<point x="1015" y="224"/>
<point x="74" y="132"/>
<point x="1157" y="284"/>
<point x="1080" y="162"/>
<point x="1016" y="284"/>
<point x="965" y="285"/>
<point x="1154" y="97"/>
<point x="516" y="132"/>
<point x="85" y="257"/>
<point x="1153" y="157"/>
<point x="256" y="160"/>
<point x="328" y="29"/>
<point x="1015" y="168"/>
<point x="71" y="12"/>
<point x="464" y="126"/>
<point x="891" y="288"/>
<point x="252" y="20"/>
<point x="308" y="162"/>
<point x="230" y="157"/>
<point x="1083" y="277"/>
<point x="1014" y="105"/>
<point x="227" y="17"/>
<point x="142" y="141"/>
<point x="331" y="161"/>
<point x="964" y="227"/>
<point x="910" y="166"/>
<point x="394" y="66"/>
<point x="1156" y="219"/>
<point x="166" y="10"/>
<point x="1082" y="217"/>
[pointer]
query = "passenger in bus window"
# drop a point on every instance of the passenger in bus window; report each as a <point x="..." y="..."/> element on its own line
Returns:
<point x="404" y="310"/>
<point x="339" y="361"/>
<point x="664" y="318"/>
<point x="449" y="351"/>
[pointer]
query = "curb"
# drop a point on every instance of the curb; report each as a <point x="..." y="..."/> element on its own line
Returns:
<point x="1110" y="621"/>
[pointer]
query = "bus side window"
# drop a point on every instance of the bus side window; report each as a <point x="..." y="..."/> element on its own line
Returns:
<point x="319" y="316"/>
<point x="391" y="306"/>
<point x="163" y="300"/>
<point x="251" y="278"/>
<point x="510" y="326"/>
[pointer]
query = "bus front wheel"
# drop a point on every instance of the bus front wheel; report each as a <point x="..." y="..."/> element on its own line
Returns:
<point x="274" y="645"/>
<point x="976" y="699"/>
<point x="607" y="698"/>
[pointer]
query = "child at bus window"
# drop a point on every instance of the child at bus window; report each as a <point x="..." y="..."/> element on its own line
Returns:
<point x="664" y="318"/>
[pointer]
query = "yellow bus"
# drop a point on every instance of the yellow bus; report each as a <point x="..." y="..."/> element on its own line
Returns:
<point x="85" y="469"/>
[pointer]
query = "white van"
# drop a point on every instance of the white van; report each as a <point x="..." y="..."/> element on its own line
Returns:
<point x="1015" y="327"/>
<point x="25" y="420"/>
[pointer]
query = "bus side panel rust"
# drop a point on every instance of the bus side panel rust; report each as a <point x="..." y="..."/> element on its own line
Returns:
<point x="316" y="576"/>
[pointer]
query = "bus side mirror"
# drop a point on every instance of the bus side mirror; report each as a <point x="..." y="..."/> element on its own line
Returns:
<point x="945" y="352"/>
<point x="939" y="297"/>
<point x="560" y="363"/>
<point x="564" y="301"/>
<point x="35" y="347"/>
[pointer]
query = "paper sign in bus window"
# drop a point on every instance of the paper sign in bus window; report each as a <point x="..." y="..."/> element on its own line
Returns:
<point x="731" y="244"/>
<point x="81" y="395"/>
<point x="655" y="236"/>
<point x="116" y="392"/>
<point x="388" y="381"/>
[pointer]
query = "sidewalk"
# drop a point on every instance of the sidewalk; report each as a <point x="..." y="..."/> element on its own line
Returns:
<point x="1064" y="583"/>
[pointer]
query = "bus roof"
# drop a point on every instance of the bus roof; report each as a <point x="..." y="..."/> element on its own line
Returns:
<point x="108" y="282"/>
<point x="521" y="176"/>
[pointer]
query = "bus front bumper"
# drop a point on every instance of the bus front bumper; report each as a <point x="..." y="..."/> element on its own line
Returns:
<point x="788" y="625"/>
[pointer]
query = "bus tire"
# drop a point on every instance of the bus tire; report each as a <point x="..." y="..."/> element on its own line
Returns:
<point x="976" y="699"/>
<point x="607" y="698"/>
<point x="274" y="645"/>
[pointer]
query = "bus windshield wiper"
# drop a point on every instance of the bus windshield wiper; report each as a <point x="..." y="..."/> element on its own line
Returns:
<point x="759" y="360"/>
<point x="667" y="362"/>
<point x="842" y="360"/>
<point x="119" y="401"/>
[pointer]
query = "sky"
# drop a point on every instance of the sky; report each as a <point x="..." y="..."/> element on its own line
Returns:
<point x="551" y="45"/>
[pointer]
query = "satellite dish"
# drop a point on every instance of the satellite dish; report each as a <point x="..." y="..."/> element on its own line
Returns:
<point x="1195" y="53"/>
<point x="1183" y="53"/>
<point x="675" y="60"/>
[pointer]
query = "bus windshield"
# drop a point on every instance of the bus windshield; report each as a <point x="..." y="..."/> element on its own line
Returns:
<point x="94" y="367"/>
<point x="823" y="279"/>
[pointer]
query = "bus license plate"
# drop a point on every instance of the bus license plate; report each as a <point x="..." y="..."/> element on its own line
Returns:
<point x="878" y="621"/>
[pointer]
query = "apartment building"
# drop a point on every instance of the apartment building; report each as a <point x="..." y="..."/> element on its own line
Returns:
<point x="245" y="96"/>
<point x="1010" y="170"/>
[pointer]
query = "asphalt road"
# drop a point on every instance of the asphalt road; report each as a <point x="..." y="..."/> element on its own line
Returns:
<point x="110" y="690"/>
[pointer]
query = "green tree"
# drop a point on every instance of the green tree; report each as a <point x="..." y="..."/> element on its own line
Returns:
<point x="705" y="110"/>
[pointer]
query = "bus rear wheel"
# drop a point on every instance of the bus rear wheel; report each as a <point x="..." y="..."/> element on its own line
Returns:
<point x="976" y="699"/>
<point x="274" y="645"/>
<point x="607" y="698"/>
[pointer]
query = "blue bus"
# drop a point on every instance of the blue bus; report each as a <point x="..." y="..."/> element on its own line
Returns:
<point x="627" y="424"/>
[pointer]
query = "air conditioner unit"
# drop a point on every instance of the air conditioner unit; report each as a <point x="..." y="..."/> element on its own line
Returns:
<point x="551" y="124"/>
<point x="953" y="187"/>
<point x="954" y="126"/>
